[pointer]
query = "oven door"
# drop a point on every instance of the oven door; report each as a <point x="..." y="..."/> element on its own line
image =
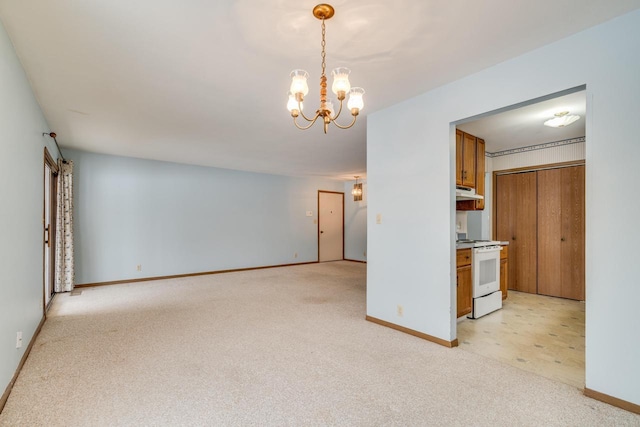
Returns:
<point x="486" y="270"/>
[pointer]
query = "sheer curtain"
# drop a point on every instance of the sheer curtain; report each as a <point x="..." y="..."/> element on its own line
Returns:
<point x="65" y="276"/>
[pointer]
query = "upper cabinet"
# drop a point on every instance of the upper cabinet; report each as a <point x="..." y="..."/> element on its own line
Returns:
<point x="470" y="168"/>
<point x="465" y="159"/>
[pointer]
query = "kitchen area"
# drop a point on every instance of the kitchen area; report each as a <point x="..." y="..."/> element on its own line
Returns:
<point x="481" y="263"/>
<point x="520" y="244"/>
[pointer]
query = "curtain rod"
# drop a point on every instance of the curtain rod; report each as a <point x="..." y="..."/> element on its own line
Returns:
<point x="53" y="135"/>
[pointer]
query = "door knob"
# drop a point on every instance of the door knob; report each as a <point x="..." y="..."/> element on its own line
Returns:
<point x="562" y="239"/>
<point x="513" y="238"/>
<point x="321" y="231"/>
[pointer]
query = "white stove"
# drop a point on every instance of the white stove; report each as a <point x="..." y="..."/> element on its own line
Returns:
<point x="485" y="271"/>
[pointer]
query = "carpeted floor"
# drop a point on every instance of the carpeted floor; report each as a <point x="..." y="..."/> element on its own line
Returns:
<point x="284" y="346"/>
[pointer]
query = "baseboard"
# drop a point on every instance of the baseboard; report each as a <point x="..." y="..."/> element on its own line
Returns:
<point x="613" y="401"/>
<point x="177" y="276"/>
<point x="424" y="336"/>
<point x="355" y="260"/>
<point x="7" y="391"/>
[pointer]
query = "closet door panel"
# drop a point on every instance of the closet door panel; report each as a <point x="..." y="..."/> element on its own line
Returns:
<point x="549" y="232"/>
<point x="573" y="232"/>
<point x="505" y="220"/>
<point x="526" y="232"/>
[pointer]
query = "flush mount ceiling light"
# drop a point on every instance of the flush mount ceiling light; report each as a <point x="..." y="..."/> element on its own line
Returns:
<point x="561" y="119"/>
<point x="340" y="87"/>
<point x="357" y="190"/>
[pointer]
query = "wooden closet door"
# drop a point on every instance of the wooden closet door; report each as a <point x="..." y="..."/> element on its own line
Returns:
<point x="550" y="263"/>
<point x="526" y="233"/>
<point x="505" y="220"/>
<point x="573" y="232"/>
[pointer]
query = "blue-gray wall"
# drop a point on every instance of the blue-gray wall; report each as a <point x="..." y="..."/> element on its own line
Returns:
<point x="21" y="210"/>
<point x="175" y="219"/>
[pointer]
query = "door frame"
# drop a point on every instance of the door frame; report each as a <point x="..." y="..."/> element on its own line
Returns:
<point x="53" y="204"/>
<point x="330" y="192"/>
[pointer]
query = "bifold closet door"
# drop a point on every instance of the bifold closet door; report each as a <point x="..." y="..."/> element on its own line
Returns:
<point x="516" y="196"/>
<point x="550" y="231"/>
<point x="561" y="240"/>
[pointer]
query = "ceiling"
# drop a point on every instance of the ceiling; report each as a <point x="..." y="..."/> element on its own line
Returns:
<point x="524" y="126"/>
<point x="205" y="82"/>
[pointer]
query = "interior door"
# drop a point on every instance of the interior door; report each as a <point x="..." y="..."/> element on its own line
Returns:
<point x="49" y="224"/>
<point x="330" y="226"/>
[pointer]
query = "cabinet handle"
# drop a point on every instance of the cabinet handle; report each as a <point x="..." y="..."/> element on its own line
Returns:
<point x="457" y="280"/>
<point x="513" y="238"/>
<point x="562" y="239"/>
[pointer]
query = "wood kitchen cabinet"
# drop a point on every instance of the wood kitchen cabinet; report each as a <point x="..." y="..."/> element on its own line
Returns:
<point x="465" y="159"/>
<point x="475" y="205"/>
<point x="504" y="271"/>
<point x="463" y="282"/>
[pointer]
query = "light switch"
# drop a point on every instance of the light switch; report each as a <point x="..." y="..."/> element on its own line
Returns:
<point x="379" y="219"/>
<point x="309" y="213"/>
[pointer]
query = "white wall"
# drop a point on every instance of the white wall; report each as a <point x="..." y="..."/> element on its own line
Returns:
<point x="21" y="230"/>
<point x="411" y="254"/>
<point x="355" y="223"/>
<point x="175" y="219"/>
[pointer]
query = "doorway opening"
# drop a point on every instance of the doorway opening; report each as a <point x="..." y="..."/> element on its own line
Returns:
<point x="537" y="329"/>
<point x="330" y="226"/>
<point x="49" y="227"/>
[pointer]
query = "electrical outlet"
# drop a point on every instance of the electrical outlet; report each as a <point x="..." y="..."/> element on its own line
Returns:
<point x="139" y="267"/>
<point x="19" y="339"/>
<point x="295" y="255"/>
<point x="400" y="310"/>
<point x="379" y="219"/>
<point x="364" y="253"/>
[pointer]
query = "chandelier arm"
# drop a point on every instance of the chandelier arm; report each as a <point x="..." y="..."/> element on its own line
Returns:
<point x="309" y="125"/>
<point x="305" y="117"/>
<point x="345" y="127"/>
<point x="339" y="111"/>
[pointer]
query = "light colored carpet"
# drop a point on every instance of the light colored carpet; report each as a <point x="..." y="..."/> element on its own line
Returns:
<point x="285" y="346"/>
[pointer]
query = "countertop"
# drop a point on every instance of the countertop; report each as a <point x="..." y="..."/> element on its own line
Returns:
<point x="470" y="245"/>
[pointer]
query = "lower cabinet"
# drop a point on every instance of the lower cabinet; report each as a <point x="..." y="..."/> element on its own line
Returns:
<point x="504" y="271"/>
<point x="463" y="282"/>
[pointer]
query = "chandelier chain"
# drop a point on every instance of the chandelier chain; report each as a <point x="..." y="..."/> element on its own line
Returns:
<point x="323" y="46"/>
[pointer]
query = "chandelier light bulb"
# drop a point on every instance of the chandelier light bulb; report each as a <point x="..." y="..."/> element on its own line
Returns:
<point x="355" y="99"/>
<point x="341" y="85"/>
<point x="299" y="82"/>
<point x="293" y="106"/>
<point x="329" y="107"/>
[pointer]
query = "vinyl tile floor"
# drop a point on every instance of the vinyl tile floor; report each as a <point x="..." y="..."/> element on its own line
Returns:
<point x="540" y="334"/>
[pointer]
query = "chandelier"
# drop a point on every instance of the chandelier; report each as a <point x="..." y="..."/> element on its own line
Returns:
<point x="340" y="87"/>
<point x="357" y="190"/>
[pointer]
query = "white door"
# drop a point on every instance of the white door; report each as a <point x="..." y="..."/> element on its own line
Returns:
<point x="330" y="226"/>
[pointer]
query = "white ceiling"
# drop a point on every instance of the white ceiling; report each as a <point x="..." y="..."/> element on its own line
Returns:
<point x="522" y="127"/>
<point x="205" y="82"/>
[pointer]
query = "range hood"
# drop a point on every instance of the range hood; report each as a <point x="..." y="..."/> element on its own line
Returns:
<point x="463" y="193"/>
